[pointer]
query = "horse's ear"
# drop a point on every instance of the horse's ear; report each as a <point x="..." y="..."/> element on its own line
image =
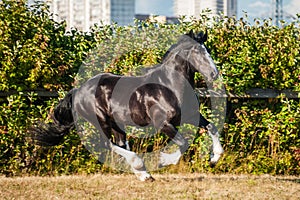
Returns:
<point x="204" y="38"/>
<point x="201" y="37"/>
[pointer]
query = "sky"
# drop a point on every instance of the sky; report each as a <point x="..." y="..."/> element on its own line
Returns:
<point x="254" y="8"/>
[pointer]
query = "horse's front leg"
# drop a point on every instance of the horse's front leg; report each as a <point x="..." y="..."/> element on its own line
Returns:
<point x="217" y="149"/>
<point x="162" y="123"/>
<point x="173" y="158"/>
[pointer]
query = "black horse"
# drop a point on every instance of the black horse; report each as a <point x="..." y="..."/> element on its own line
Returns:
<point x="163" y="97"/>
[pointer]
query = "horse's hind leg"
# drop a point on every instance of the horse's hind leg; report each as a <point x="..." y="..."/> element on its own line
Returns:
<point x="136" y="163"/>
<point x="120" y="136"/>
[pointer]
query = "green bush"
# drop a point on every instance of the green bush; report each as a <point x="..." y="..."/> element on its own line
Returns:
<point x="18" y="154"/>
<point x="259" y="136"/>
<point x="258" y="56"/>
<point x="35" y="52"/>
<point x="264" y="138"/>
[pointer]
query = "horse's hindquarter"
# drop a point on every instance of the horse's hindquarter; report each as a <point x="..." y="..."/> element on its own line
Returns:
<point x="84" y="99"/>
<point x="93" y="97"/>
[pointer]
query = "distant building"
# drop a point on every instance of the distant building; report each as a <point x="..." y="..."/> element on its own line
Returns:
<point x="185" y="7"/>
<point x="160" y="19"/>
<point x="122" y="11"/>
<point x="230" y="8"/>
<point x="195" y="7"/>
<point x="216" y="6"/>
<point x="82" y="14"/>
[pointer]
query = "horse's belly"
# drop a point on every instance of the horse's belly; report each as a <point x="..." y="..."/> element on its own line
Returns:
<point x="130" y="117"/>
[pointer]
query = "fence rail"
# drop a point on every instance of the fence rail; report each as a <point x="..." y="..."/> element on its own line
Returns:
<point x="252" y="93"/>
<point x="26" y="93"/>
<point x="202" y="92"/>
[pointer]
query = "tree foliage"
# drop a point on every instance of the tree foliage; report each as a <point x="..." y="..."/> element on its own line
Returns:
<point x="35" y="51"/>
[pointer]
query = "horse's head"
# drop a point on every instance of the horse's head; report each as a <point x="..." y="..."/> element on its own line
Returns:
<point x="199" y="57"/>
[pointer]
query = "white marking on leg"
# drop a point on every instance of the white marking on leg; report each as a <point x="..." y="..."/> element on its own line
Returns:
<point x="136" y="163"/>
<point x="166" y="159"/>
<point x="127" y="145"/>
<point x="217" y="147"/>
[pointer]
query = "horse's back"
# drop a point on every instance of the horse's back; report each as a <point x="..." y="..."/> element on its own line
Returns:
<point x="85" y="100"/>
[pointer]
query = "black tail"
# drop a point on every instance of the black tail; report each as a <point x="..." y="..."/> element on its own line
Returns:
<point x="52" y="134"/>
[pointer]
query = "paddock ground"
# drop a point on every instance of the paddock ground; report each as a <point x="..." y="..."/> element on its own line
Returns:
<point x="166" y="186"/>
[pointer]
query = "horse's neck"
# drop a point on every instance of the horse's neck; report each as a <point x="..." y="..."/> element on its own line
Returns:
<point x="183" y="72"/>
<point x="176" y="80"/>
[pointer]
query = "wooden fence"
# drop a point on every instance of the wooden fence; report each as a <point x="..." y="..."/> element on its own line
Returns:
<point x="202" y="92"/>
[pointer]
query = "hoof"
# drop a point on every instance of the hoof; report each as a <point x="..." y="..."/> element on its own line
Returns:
<point x="149" y="179"/>
<point x="144" y="176"/>
<point x="214" y="158"/>
<point x="212" y="164"/>
<point x="160" y="166"/>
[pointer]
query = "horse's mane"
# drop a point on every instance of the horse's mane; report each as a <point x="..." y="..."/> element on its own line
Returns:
<point x="184" y="42"/>
<point x="148" y="70"/>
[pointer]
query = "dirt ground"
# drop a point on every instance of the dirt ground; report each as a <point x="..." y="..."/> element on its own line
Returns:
<point x="166" y="186"/>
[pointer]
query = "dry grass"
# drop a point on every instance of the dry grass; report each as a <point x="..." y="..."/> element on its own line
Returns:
<point x="166" y="186"/>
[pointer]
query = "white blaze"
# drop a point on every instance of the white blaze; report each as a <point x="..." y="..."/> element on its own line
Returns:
<point x="211" y="62"/>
